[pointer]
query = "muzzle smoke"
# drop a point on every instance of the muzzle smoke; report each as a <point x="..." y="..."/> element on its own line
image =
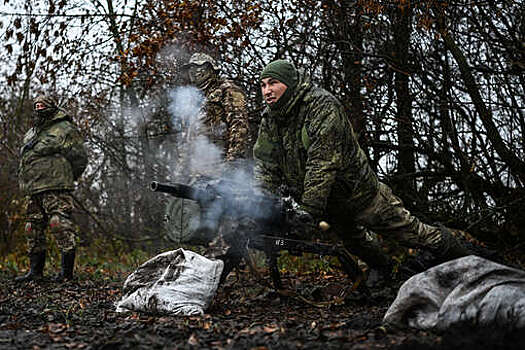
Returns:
<point x="203" y="160"/>
<point x="197" y="155"/>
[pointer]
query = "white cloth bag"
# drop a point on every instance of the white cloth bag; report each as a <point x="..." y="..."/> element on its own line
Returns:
<point x="178" y="282"/>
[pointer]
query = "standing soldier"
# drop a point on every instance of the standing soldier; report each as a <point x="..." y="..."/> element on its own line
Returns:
<point x="223" y="122"/>
<point x="224" y="117"/>
<point x="52" y="159"/>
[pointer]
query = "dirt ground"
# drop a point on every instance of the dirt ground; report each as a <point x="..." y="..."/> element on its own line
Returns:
<point x="244" y="315"/>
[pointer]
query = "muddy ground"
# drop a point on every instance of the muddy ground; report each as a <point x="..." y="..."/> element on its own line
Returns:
<point x="245" y="314"/>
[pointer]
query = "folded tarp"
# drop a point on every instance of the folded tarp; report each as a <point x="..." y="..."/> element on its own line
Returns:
<point x="466" y="291"/>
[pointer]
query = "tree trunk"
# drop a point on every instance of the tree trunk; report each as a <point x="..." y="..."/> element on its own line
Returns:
<point x="345" y="25"/>
<point x="405" y="129"/>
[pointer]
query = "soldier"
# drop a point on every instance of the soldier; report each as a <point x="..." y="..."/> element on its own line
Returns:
<point x="224" y="115"/>
<point x="223" y="122"/>
<point x="307" y="143"/>
<point x="52" y="159"/>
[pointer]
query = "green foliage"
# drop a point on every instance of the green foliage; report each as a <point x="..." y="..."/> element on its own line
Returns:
<point x="11" y="264"/>
<point x="307" y="263"/>
<point x="109" y="259"/>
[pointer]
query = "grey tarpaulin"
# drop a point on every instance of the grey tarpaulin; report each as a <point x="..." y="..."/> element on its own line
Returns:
<point x="178" y="282"/>
<point x="469" y="290"/>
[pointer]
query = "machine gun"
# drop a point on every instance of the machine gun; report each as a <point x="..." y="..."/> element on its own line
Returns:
<point x="273" y="216"/>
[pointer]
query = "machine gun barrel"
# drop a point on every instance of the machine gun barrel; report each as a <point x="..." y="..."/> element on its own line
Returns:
<point x="183" y="191"/>
<point x="267" y="210"/>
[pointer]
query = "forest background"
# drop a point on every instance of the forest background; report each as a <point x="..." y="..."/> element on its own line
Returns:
<point x="435" y="91"/>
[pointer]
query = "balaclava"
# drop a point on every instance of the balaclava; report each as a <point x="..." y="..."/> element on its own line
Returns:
<point x="202" y="76"/>
<point x="202" y="70"/>
<point x="51" y="108"/>
<point x="286" y="73"/>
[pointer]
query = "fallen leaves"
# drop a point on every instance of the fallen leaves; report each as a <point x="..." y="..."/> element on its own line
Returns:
<point x="81" y="314"/>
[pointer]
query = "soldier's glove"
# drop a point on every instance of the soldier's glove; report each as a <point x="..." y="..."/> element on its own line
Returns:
<point x="305" y="225"/>
<point x="304" y="218"/>
<point x="299" y="221"/>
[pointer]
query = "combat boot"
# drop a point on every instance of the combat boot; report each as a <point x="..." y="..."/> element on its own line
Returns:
<point x="67" y="266"/>
<point x="449" y="247"/>
<point x="36" y="268"/>
<point x="379" y="263"/>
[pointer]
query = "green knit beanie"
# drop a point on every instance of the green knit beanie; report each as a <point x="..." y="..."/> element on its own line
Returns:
<point x="281" y="70"/>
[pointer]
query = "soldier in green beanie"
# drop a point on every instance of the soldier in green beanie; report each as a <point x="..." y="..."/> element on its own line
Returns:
<point x="307" y="143"/>
<point x="52" y="158"/>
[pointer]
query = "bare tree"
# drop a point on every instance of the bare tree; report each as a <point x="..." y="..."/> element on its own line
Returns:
<point x="435" y="91"/>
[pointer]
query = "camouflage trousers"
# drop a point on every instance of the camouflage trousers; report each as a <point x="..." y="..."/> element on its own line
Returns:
<point x="53" y="209"/>
<point x="386" y="215"/>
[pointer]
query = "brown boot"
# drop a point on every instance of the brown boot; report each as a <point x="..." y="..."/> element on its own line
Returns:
<point x="36" y="268"/>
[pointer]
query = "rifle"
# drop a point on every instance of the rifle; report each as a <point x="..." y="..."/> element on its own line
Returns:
<point x="273" y="217"/>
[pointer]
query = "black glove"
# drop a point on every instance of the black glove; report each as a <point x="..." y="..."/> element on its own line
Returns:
<point x="299" y="221"/>
<point x="303" y="217"/>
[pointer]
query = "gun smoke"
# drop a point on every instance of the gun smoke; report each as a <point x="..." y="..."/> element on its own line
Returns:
<point x="197" y="154"/>
<point x="200" y="162"/>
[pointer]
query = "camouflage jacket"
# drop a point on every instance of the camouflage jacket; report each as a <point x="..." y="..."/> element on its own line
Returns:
<point x="309" y="146"/>
<point x="52" y="156"/>
<point x="225" y="119"/>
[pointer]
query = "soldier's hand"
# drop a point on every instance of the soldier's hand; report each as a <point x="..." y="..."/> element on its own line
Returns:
<point x="304" y="217"/>
<point x="302" y="223"/>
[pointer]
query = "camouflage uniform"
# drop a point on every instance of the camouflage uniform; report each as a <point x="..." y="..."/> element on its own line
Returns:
<point x="52" y="159"/>
<point x="224" y="117"/>
<point x="308" y="144"/>
<point x="222" y="121"/>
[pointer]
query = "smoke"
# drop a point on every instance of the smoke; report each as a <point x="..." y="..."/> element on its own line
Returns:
<point x="201" y="164"/>
<point x="193" y="142"/>
<point x="207" y="158"/>
<point x="197" y="154"/>
<point x="135" y="119"/>
<point x="186" y="103"/>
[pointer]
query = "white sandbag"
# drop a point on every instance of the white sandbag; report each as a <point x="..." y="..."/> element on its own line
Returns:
<point x="470" y="290"/>
<point x="178" y="282"/>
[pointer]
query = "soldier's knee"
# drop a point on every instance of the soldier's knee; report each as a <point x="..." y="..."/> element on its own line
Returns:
<point x="54" y="223"/>
<point x="58" y="223"/>
<point x="28" y="228"/>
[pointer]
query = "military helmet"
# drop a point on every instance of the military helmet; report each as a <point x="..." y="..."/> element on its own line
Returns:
<point x="201" y="58"/>
<point x="48" y="101"/>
